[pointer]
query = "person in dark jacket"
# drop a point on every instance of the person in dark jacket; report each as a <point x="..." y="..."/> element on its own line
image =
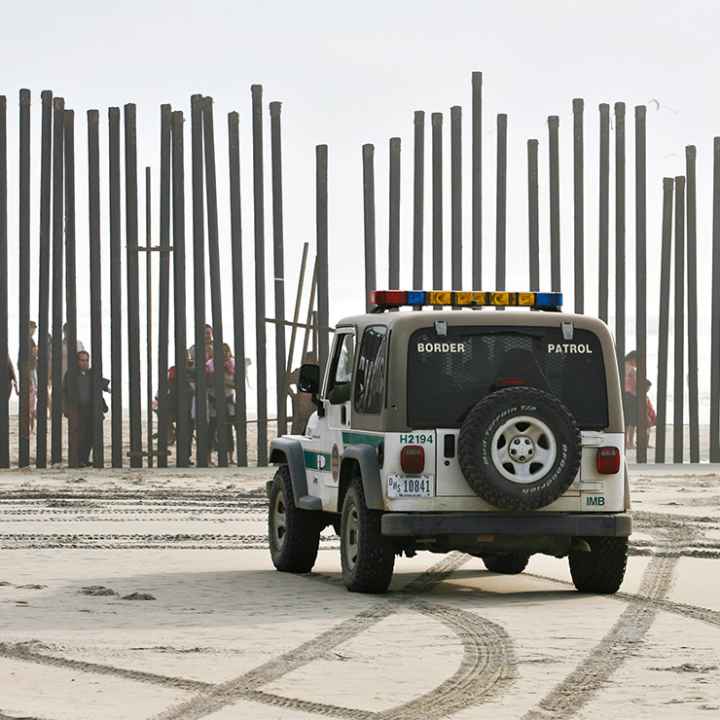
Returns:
<point x="81" y="410"/>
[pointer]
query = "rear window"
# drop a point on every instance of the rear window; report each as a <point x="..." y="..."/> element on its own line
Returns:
<point x="448" y="374"/>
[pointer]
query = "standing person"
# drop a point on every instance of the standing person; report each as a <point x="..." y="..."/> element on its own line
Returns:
<point x="229" y="400"/>
<point x="79" y="347"/>
<point x="630" y="398"/>
<point x="80" y="409"/>
<point x="208" y="344"/>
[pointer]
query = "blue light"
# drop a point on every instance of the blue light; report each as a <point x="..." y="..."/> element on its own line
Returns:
<point x="548" y="300"/>
<point x="416" y="297"/>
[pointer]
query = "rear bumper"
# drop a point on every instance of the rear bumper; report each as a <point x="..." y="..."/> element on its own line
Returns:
<point x="459" y="523"/>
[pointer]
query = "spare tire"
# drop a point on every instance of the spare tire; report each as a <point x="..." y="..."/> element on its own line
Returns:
<point x="519" y="448"/>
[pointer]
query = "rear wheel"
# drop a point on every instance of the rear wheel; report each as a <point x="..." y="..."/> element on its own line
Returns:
<point x="510" y="564"/>
<point x="603" y="568"/>
<point x="367" y="557"/>
<point x="294" y="533"/>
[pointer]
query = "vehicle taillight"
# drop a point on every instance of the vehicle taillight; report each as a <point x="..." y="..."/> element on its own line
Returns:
<point x="608" y="460"/>
<point x="412" y="459"/>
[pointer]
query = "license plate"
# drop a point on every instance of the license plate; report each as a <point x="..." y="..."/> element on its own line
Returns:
<point x="399" y="486"/>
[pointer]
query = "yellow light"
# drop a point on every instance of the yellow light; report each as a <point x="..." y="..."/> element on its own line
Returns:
<point x="463" y="298"/>
<point x="440" y="297"/>
<point x="501" y="298"/>
<point x="526" y="298"/>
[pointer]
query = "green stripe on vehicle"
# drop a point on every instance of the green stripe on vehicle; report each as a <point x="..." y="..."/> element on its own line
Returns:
<point x="317" y="461"/>
<point x="357" y="438"/>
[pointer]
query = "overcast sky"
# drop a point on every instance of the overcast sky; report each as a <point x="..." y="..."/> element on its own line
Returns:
<point x="351" y="74"/>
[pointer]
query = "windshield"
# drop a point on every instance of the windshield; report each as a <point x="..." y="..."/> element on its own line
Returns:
<point x="448" y="375"/>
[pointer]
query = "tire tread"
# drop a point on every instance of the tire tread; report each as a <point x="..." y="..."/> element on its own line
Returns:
<point x="302" y="541"/>
<point x="602" y="569"/>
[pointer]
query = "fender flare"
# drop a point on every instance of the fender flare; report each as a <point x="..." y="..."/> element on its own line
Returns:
<point x="284" y="451"/>
<point x="367" y="458"/>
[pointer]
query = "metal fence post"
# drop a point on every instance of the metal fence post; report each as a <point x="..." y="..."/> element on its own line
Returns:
<point x="96" y="321"/>
<point x="321" y="213"/>
<point x="664" y="324"/>
<point x="578" y="204"/>
<point x="43" y="343"/>
<point x="620" y="233"/>
<point x="418" y="200"/>
<point x="476" y="180"/>
<point x="148" y="313"/>
<point x="24" y="279"/>
<point x="368" y="153"/>
<point x="437" y="202"/>
<point x="679" y="309"/>
<point x="202" y="449"/>
<point x="692" y="308"/>
<point x="57" y="281"/>
<point x="501" y="205"/>
<point x="221" y="443"/>
<point x="133" y="286"/>
<point x="164" y="288"/>
<point x="4" y="352"/>
<point x="278" y="264"/>
<point x="533" y="215"/>
<point x="641" y="282"/>
<point x="237" y="278"/>
<point x="259" y="215"/>
<point x="604" y="213"/>
<point x="182" y="416"/>
<point x="554" y="151"/>
<point x="70" y="278"/>
<point x="116" y="333"/>
<point x="394" y="216"/>
<point x="456" y="197"/>
<point x="715" y="320"/>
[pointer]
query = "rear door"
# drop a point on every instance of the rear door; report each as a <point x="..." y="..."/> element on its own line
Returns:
<point x="448" y="375"/>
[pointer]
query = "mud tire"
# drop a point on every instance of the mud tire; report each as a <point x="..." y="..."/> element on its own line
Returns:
<point x="297" y="549"/>
<point x="511" y="564"/>
<point x="601" y="570"/>
<point x="374" y="556"/>
<point x="475" y="448"/>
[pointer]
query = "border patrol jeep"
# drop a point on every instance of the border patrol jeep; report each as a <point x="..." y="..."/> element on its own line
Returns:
<point x="499" y="434"/>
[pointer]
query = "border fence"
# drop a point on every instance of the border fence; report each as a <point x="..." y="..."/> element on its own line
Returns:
<point x="41" y="367"/>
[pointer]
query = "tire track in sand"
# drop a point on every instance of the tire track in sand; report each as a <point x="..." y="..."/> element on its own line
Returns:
<point x="487" y="663"/>
<point x="593" y="672"/>
<point x="695" y="612"/>
<point x="22" y="651"/>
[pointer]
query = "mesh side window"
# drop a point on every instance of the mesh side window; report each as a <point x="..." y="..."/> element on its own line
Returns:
<point x="448" y="375"/>
<point x="370" y="380"/>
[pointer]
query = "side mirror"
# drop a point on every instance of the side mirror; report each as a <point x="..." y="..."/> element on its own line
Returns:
<point x="309" y="380"/>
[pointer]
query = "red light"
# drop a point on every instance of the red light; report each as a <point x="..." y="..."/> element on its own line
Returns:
<point x="608" y="460"/>
<point x="412" y="459"/>
<point x="511" y="381"/>
<point x="389" y="298"/>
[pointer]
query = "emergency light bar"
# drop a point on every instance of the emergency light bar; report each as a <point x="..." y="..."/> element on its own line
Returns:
<point x="384" y="299"/>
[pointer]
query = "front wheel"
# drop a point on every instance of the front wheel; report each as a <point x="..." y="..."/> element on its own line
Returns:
<point x="367" y="557"/>
<point x="511" y="564"/>
<point x="603" y="568"/>
<point x="294" y="533"/>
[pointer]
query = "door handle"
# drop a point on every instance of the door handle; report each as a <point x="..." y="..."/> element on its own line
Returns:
<point x="343" y="415"/>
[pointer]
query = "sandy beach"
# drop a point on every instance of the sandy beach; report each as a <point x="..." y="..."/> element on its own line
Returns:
<point x="136" y="594"/>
